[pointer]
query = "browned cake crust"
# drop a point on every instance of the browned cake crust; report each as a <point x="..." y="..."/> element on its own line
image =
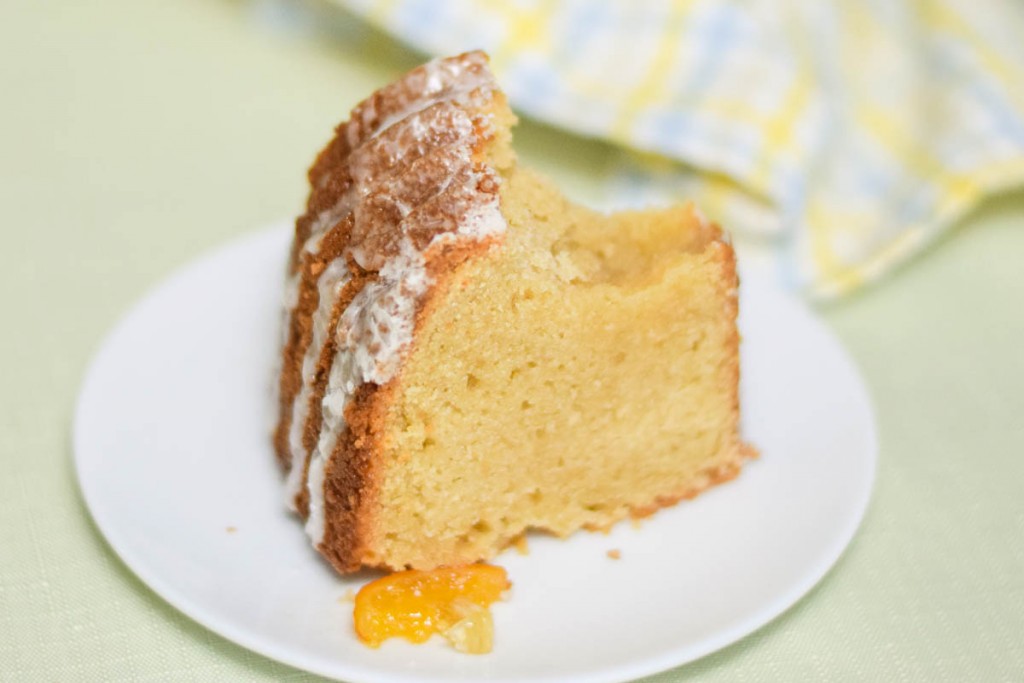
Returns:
<point x="331" y="178"/>
<point x="310" y="267"/>
<point x="350" y="485"/>
<point x="406" y="168"/>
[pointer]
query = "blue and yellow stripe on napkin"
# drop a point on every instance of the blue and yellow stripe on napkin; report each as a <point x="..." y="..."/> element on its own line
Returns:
<point x="853" y="131"/>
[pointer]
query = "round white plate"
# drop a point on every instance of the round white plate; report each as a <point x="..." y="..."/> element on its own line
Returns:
<point x="172" y="450"/>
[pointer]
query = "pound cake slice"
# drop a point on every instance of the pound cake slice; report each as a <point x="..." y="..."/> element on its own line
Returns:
<point x="467" y="355"/>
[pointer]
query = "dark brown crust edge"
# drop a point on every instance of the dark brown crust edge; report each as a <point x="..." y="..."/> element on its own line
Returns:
<point x="314" y="416"/>
<point x="329" y="179"/>
<point x="300" y="333"/>
<point x="350" y="484"/>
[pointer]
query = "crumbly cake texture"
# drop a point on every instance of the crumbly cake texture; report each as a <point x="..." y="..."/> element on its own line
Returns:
<point x="466" y="355"/>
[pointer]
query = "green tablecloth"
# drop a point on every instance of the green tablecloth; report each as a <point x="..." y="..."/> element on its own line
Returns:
<point x="136" y="135"/>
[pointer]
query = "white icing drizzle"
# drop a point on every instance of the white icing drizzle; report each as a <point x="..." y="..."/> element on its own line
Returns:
<point x="315" y="482"/>
<point x="483" y="220"/>
<point x="374" y="331"/>
<point x="438" y="74"/>
<point x="330" y="284"/>
<point x="389" y="166"/>
<point x="289" y="299"/>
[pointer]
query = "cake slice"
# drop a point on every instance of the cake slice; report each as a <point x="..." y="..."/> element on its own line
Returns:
<point x="467" y="355"/>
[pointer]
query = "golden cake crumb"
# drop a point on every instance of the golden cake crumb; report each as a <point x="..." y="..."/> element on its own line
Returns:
<point x="614" y="553"/>
<point x="521" y="545"/>
<point x="469" y="356"/>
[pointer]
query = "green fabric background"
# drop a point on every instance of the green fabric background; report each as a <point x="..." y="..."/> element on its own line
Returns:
<point x="136" y="135"/>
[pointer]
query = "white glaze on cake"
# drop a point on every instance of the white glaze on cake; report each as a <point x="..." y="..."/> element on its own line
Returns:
<point x="412" y="186"/>
<point x="331" y="281"/>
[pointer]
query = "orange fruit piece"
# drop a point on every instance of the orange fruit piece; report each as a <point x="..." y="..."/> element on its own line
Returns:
<point x="414" y="605"/>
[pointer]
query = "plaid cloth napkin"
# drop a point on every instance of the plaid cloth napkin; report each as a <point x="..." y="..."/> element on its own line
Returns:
<point x="854" y="132"/>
